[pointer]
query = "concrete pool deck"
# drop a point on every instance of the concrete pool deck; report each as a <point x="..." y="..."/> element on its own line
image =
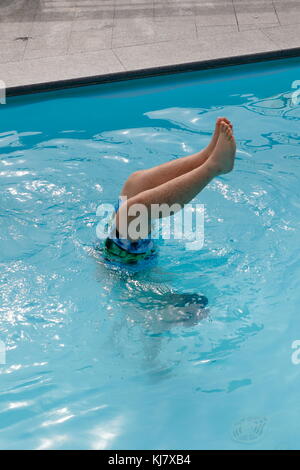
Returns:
<point x="48" y="40"/>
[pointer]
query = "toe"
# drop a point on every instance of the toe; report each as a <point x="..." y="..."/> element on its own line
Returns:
<point x="228" y="122"/>
<point x="228" y="132"/>
<point x="223" y="126"/>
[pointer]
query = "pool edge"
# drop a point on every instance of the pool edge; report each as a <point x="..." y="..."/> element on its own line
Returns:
<point x="154" y="71"/>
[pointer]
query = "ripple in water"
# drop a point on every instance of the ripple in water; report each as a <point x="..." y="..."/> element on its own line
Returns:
<point x="94" y="355"/>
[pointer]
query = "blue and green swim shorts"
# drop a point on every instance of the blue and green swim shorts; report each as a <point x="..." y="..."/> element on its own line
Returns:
<point x="122" y="251"/>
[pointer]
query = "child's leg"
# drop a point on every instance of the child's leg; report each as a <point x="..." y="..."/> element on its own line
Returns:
<point x="146" y="179"/>
<point x="181" y="189"/>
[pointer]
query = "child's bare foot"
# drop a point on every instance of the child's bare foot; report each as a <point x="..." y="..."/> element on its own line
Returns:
<point x="209" y="149"/>
<point x="222" y="157"/>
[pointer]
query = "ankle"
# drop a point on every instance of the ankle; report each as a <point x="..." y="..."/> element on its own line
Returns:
<point x="214" y="168"/>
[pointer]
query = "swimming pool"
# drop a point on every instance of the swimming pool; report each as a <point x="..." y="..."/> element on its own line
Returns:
<point x="90" y="361"/>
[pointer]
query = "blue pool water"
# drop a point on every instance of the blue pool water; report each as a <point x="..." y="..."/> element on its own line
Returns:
<point x="93" y="360"/>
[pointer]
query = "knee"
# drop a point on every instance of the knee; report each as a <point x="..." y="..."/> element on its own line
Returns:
<point x="133" y="183"/>
<point x="135" y="177"/>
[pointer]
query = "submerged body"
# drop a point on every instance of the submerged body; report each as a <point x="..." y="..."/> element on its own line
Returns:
<point x="171" y="184"/>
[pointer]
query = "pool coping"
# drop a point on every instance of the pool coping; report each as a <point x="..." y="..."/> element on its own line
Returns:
<point x="153" y="71"/>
